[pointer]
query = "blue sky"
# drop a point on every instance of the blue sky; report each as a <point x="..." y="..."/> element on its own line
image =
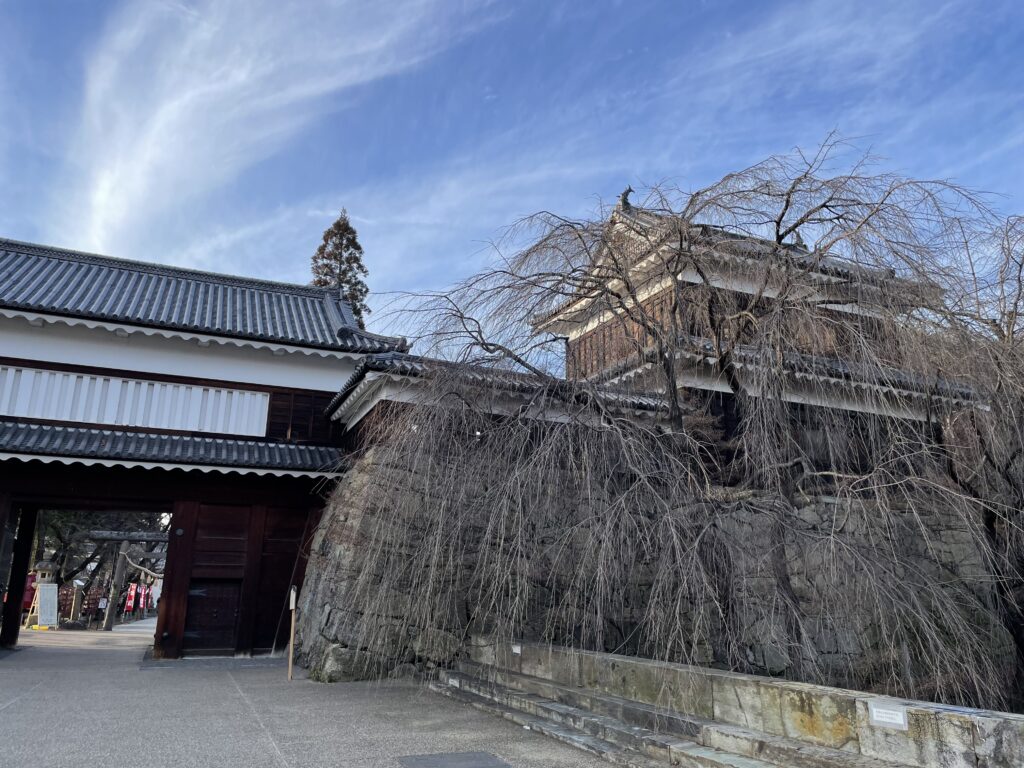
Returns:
<point x="226" y="135"/>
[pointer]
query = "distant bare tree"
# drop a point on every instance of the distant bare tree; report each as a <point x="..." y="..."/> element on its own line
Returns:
<point x="338" y="263"/>
<point x="63" y="539"/>
<point x="831" y="489"/>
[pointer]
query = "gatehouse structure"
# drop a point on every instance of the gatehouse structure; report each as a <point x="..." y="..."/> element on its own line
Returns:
<point x="130" y="385"/>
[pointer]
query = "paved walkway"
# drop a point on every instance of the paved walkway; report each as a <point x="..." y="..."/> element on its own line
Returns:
<point x="145" y="627"/>
<point x="87" y="698"/>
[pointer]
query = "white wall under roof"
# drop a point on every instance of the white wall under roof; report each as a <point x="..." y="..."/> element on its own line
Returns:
<point x="59" y="343"/>
<point x="94" y="399"/>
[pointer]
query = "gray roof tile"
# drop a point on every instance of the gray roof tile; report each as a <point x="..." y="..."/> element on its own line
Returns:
<point x="76" y="442"/>
<point x="56" y="281"/>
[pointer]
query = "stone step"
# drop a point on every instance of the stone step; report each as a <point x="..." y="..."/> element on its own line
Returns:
<point x="602" y="735"/>
<point x="669" y="723"/>
<point x="631" y="712"/>
<point x="569" y="736"/>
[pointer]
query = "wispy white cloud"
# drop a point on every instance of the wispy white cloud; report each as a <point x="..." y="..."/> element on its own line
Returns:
<point x="418" y="233"/>
<point x="725" y="102"/>
<point x="821" y="44"/>
<point x="799" y="68"/>
<point x="181" y="97"/>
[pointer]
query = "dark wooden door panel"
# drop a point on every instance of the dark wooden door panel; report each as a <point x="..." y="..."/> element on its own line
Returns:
<point x="284" y="524"/>
<point x="279" y="569"/>
<point x="221" y="541"/>
<point x="271" y="619"/>
<point x="243" y="560"/>
<point x="211" y="620"/>
<point x="222" y="528"/>
<point x="219" y="565"/>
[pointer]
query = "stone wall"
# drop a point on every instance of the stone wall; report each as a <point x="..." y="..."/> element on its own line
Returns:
<point x="845" y="639"/>
<point x="322" y="644"/>
<point x="328" y="641"/>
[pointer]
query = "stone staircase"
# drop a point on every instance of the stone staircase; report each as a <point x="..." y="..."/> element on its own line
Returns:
<point x="641" y="713"/>
<point x="628" y="732"/>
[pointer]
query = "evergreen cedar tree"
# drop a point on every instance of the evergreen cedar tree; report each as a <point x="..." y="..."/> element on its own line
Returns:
<point x="338" y="263"/>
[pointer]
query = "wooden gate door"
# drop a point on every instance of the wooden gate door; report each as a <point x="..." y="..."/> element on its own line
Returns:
<point x="215" y="587"/>
<point x="280" y="566"/>
<point x="229" y="569"/>
<point x="211" y="621"/>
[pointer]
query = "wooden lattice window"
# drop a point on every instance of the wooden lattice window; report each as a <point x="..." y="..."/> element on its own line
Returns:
<point x="299" y="417"/>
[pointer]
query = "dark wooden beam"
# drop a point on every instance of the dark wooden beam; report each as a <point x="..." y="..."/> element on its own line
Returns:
<point x="77" y="487"/>
<point x="170" y="623"/>
<point x="122" y="536"/>
<point x="10" y="625"/>
<point x="5" y="515"/>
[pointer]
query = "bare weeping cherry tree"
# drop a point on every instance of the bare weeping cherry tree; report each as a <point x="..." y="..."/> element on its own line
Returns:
<point x="771" y="425"/>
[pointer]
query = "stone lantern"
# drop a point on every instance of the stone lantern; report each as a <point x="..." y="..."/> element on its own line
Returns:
<point x="45" y="571"/>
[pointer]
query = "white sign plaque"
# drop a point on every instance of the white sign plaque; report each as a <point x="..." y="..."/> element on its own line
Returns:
<point x="887" y="714"/>
<point x="517" y="650"/>
<point x="293" y="595"/>
<point x="47" y="605"/>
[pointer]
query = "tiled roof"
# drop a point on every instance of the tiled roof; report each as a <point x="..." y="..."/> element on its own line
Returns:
<point x="856" y="373"/>
<point x="56" y="281"/>
<point x="751" y="246"/>
<point x="412" y="366"/>
<point x="726" y="246"/>
<point x="47" y="440"/>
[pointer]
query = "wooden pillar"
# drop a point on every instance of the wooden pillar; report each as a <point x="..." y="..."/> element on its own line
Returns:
<point x="5" y="516"/>
<point x="170" y="623"/>
<point x="24" y="542"/>
<point x="5" y="513"/>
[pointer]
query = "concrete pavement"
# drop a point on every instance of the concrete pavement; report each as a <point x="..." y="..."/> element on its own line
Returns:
<point x="145" y="627"/>
<point x="88" y="698"/>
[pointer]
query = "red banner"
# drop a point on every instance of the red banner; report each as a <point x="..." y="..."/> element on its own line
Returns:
<point x="129" y="603"/>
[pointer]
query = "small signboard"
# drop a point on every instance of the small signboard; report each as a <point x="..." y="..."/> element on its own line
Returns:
<point x="887" y="714"/>
<point x="47" y="605"/>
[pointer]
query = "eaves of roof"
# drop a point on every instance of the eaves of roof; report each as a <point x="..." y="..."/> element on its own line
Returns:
<point x="741" y="248"/>
<point x="414" y="366"/>
<point x="45" y="440"/>
<point x="810" y="366"/>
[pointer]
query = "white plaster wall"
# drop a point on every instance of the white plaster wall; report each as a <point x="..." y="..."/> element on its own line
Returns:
<point x="94" y="399"/>
<point x="101" y="348"/>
